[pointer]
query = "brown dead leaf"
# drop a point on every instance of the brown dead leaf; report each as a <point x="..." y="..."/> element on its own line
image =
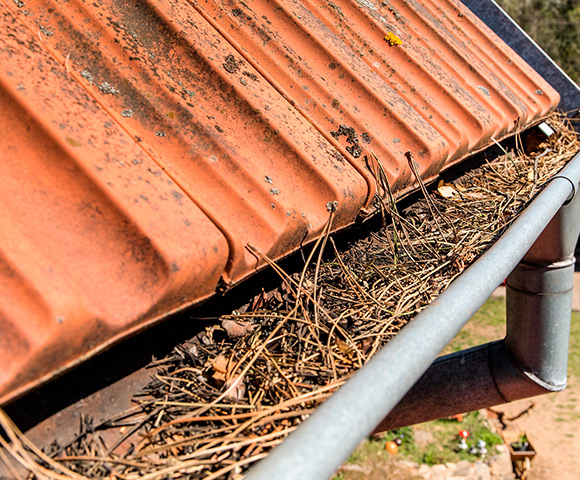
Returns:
<point x="366" y="345"/>
<point x="236" y="388"/>
<point x="258" y="302"/>
<point x="237" y="328"/>
<point x="176" y="439"/>
<point x="446" y="190"/>
<point x="219" y="365"/>
<point x="344" y="347"/>
<point x="277" y="296"/>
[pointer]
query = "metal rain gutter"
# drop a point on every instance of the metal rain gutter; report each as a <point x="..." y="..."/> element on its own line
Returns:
<point x="318" y="447"/>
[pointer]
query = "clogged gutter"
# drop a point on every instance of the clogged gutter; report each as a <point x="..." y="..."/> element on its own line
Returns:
<point x="219" y="402"/>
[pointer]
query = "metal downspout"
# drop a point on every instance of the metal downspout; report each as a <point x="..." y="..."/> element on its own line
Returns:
<point x="318" y="447"/>
<point x="539" y="302"/>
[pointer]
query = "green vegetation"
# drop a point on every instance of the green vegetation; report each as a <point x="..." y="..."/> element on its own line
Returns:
<point x="554" y="25"/>
<point x="574" y="353"/>
<point x="521" y="443"/>
<point x="443" y="448"/>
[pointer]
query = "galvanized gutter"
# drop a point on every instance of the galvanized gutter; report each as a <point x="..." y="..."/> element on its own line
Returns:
<point x="318" y="447"/>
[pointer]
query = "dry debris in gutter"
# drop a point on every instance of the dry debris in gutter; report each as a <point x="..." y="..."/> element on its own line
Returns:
<point x="220" y="401"/>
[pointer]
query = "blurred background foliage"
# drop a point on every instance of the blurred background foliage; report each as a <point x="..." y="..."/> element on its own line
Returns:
<point x="554" y="25"/>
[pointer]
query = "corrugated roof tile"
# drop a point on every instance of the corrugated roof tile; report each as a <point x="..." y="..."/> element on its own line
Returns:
<point x="147" y="144"/>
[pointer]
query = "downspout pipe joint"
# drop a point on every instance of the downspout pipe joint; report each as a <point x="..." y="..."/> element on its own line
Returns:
<point x="539" y="304"/>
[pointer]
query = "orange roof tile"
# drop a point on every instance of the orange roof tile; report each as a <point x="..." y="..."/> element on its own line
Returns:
<point x="146" y="144"/>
